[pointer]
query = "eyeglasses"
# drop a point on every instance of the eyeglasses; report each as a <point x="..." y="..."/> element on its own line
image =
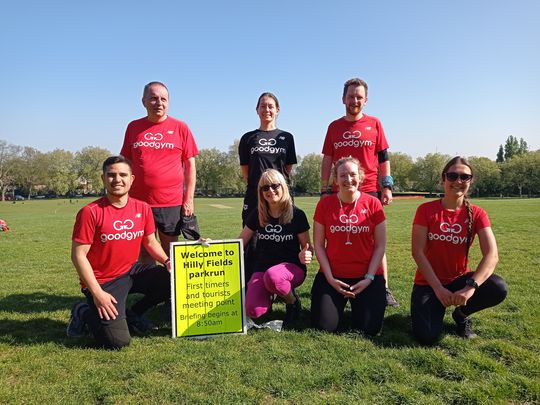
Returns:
<point x="453" y="176"/>
<point x="271" y="186"/>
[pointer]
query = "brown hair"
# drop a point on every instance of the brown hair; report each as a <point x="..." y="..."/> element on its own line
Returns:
<point x="267" y="94"/>
<point x="348" y="159"/>
<point x="272" y="176"/>
<point x="354" y="82"/>
<point x="463" y="161"/>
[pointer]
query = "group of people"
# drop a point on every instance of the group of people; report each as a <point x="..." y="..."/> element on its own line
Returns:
<point x="150" y="189"/>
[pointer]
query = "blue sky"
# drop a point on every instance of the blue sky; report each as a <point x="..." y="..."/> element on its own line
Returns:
<point x="455" y="77"/>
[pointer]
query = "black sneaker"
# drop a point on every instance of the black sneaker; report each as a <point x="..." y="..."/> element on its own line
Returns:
<point x="76" y="327"/>
<point x="463" y="325"/>
<point x="390" y="300"/>
<point x="292" y="311"/>
<point x="138" y="324"/>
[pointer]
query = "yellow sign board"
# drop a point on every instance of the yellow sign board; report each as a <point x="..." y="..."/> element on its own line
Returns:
<point x="207" y="284"/>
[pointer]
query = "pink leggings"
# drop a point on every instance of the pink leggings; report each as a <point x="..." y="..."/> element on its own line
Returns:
<point x="278" y="279"/>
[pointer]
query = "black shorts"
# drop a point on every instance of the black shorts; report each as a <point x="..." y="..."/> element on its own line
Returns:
<point x="168" y="219"/>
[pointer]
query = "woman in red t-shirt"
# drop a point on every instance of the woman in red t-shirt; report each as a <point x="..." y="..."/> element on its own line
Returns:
<point x="443" y="231"/>
<point x="349" y="236"/>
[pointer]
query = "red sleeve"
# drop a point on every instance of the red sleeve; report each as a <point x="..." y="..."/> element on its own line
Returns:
<point x="321" y="208"/>
<point x="480" y="218"/>
<point x="420" y="217"/>
<point x="126" y="150"/>
<point x="149" y="226"/>
<point x="85" y="226"/>
<point x="328" y="149"/>
<point x="378" y="212"/>
<point x="189" y="148"/>
<point x="382" y="143"/>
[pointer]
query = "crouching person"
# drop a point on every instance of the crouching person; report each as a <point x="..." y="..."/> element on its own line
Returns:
<point x="107" y="238"/>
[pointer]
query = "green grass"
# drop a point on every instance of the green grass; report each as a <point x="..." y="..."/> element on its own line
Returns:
<point x="38" y="364"/>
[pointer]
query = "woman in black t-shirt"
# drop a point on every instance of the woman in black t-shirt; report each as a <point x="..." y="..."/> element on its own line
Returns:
<point x="282" y="248"/>
<point x="266" y="147"/>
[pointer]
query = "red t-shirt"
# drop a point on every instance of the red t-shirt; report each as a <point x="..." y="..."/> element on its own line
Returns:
<point x="363" y="140"/>
<point x="115" y="235"/>
<point x="353" y="224"/>
<point x="447" y="238"/>
<point x="158" y="152"/>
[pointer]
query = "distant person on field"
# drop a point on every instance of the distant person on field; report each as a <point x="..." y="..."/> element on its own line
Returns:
<point x="362" y="137"/>
<point x="349" y="236"/>
<point x="107" y="238"/>
<point x="443" y="231"/>
<point x="283" y="248"/>
<point x="162" y="151"/>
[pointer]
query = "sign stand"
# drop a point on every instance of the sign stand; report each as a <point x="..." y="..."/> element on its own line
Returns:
<point x="207" y="288"/>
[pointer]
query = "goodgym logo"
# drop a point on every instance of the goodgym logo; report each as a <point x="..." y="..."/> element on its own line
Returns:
<point x="123" y="225"/>
<point x="352" y="139"/>
<point x="352" y="135"/>
<point x="153" y="141"/>
<point x="123" y="231"/>
<point x="273" y="232"/>
<point x="446" y="227"/>
<point x="450" y="234"/>
<point x="149" y="136"/>
<point x="273" y="228"/>
<point x="267" y="142"/>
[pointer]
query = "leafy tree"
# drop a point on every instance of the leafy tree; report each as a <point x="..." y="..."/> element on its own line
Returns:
<point x="60" y="176"/>
<point x="30" y="170"/>
<point x="426" y="173"/>
<point x="88" y="166"/>
<point x="487" y="176"/>
<point x="8" y="155"/>
<point x="511" y="147"/>
<point x="522" y="173"/>
<point x="307" y="176"/>
<point x="210" y="170"/>
<point x="401" y="166"/>
<point x="500" y="154"/>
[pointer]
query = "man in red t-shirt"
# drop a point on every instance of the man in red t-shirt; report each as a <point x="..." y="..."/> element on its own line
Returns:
<point x="107" y="237"/>
<point x="162" y="151"/>
<point x="362" y="137"/>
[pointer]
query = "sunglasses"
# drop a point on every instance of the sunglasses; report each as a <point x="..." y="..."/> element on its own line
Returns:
<point x="270" y="186"/>
<point x="453" y="176"/>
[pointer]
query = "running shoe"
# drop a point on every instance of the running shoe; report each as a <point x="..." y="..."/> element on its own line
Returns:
<point x="77" y="327"/>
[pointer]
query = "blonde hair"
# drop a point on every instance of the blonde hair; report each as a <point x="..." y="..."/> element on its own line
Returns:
<point x="269" y="177"/>
<point x="342" y="161"/>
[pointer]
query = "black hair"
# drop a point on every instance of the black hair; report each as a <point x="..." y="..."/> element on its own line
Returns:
<point x="111" y="160"/>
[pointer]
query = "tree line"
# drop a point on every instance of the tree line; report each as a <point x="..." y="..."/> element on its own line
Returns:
<point x="25" y="170"/>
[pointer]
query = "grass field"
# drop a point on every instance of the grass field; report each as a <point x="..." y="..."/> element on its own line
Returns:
<point x="38" y="364"/>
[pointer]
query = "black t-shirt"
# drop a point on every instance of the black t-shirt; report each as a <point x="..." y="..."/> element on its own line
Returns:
<point x="261" y="150"/>
<point x="277" y="243"/>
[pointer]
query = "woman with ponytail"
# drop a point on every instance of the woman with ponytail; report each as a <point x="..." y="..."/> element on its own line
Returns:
<point x="443" y="231"/>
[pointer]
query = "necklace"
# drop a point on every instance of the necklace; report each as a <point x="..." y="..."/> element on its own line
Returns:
<point x="348" y="219"/>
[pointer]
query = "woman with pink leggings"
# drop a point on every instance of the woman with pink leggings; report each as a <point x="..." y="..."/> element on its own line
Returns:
<point x="282" y="248"/>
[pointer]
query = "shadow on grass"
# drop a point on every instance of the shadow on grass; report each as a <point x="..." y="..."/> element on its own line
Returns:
<point x="37" y="302"/>
<point x="37" y="331"/>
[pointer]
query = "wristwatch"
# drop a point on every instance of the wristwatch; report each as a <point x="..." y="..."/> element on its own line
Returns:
<point x="370" y="277"/>
<point x="471" y="283"/>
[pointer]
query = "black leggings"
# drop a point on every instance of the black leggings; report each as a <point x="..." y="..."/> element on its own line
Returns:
<point x="427" y="312"/>
<point x="150" y="280"/>
<point x="328" y="305"/>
